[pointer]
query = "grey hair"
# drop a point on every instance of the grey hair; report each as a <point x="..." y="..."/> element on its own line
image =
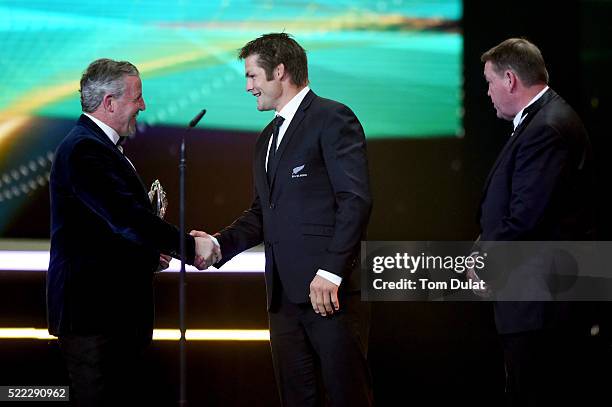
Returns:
<point x="103" y="76"/>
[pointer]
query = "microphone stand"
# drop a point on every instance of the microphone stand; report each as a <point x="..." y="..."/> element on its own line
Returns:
<point x="182" y="274"/>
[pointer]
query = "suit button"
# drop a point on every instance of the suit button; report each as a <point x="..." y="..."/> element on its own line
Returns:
<point x="272" y="206"/>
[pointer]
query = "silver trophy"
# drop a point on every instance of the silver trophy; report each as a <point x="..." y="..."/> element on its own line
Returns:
<point x="157" y="195"/>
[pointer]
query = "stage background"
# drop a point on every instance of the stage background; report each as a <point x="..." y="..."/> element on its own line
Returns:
<point x="426" y="184"/>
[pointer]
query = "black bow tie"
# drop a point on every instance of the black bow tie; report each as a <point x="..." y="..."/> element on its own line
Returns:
<point x="526" y="111"/>
<point x="120" y="144"/>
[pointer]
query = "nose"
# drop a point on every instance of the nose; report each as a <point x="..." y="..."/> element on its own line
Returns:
<point x="249" y="84"/>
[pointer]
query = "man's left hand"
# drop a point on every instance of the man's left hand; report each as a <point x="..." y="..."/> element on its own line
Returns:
<point x="324" y="296"/>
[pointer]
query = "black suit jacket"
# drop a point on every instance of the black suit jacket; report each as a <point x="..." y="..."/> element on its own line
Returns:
<point x="315" y="212"/>
<point x="105" y="239"/>
<point x="539" y="189"/>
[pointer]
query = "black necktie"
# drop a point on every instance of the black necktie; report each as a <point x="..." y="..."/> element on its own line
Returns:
<point x="276" y="124"/>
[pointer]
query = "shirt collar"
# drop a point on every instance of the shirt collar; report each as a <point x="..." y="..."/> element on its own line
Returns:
<point x="519" y="116"/>
<point x="109" y="131"/>
<point x="290" y="108"/>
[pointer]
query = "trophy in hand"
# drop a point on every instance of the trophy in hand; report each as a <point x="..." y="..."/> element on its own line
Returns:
<point x="157" y="195"/>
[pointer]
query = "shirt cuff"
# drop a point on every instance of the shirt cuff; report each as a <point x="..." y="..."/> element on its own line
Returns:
<point x="215" y="241"/>
<point x="334" y="278"/>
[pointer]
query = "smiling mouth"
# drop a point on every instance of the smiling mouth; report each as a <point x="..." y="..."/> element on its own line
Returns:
<point x="257" y="94"/>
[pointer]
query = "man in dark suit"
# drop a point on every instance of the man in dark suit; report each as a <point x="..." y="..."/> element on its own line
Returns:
<point x="105" y="242"/>
<point x="311" y="208"/>
<point x="539" y="189"/>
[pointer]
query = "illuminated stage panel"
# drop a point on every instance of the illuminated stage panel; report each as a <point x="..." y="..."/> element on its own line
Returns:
<point x="158" y="334"/>
<point x="38" y="260"/>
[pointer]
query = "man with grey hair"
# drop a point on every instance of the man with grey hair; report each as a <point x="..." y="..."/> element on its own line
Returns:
<point x="106" y="242"/>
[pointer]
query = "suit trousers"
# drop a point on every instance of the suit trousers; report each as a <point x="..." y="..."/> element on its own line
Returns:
<point x="550" y="367"/>
<point x="310" y="351"/>
<point x="104" y="370"/>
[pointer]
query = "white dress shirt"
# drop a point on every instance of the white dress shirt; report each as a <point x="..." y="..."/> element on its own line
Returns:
<point x="287" y="113"/>
<point x="111" y="133"/>
<point x="518" y="119"/>
<point x="108" y="130"/>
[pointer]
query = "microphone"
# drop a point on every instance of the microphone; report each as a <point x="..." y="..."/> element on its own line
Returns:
<point x="194" y="122"/>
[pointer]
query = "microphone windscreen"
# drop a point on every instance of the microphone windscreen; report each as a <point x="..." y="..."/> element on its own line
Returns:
<point x="194" y="122"/>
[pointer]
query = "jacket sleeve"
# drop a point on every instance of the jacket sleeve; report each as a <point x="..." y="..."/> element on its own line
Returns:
<point x="344" y="151"/>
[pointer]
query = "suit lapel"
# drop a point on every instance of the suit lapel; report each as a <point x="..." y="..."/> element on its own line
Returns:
<point x="98" y="133"/>
<point x="291" y="131"/>
<point x="261" y="152"/>
<point x="502" y="154"/>
<point x="144" y="187"/>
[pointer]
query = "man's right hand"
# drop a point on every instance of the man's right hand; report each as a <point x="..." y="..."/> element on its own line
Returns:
<point x="206" y="251"/>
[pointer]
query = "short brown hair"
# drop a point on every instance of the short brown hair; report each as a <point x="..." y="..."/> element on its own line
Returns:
<point x="279" y="48"/>
<point x="520" y="56"/>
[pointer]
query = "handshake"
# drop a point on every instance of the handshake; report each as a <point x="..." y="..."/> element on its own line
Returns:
<point x="207" y="252"/>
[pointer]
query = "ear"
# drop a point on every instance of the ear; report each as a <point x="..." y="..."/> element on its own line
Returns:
<point x="279" y="71"/>
<point x="107" y="103"/>
<point x="510" y="80"/>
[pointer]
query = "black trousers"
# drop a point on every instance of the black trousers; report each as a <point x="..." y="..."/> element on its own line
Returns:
<point x="104" y="370"/>
<point x="311" y="352"/>
<point x="550" y="367"/>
